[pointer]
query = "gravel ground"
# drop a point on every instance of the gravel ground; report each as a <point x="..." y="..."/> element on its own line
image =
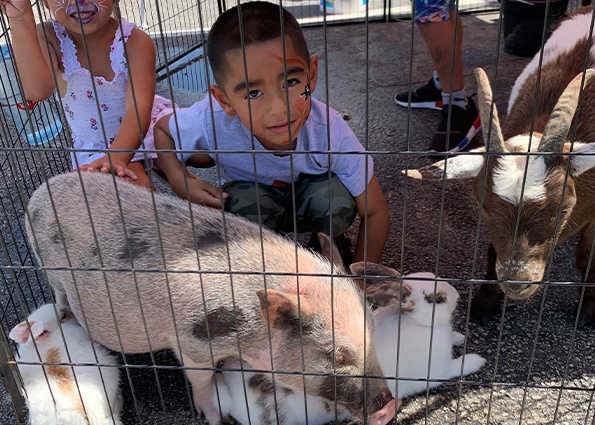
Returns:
<point x="539" y="368"/>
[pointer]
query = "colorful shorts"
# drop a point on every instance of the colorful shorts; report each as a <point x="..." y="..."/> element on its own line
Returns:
<point x="432" y="10"/>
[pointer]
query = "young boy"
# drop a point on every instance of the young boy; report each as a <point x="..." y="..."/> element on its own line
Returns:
<point x="270" y="139"/>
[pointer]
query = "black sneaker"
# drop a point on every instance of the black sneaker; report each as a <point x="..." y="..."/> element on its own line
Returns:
<point x="428" y="97"/>
<point x="464" y="125"/>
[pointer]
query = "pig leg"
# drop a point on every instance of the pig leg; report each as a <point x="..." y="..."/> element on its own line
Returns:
<point x="203" y="389"/>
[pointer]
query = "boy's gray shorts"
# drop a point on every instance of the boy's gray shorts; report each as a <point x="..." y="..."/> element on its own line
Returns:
<point x="320" y="203"/>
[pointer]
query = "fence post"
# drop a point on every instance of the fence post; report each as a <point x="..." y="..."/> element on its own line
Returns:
<point x="143" y="15"/>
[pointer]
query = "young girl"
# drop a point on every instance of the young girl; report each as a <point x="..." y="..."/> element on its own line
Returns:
<point x="104" y="71"/>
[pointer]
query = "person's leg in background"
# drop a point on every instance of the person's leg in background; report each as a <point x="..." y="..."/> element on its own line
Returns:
<point x="442" y="31"/>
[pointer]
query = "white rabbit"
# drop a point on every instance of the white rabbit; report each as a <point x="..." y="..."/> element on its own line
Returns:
<point x="69" y="408"/>
<point x="423" y="335"/>
<point x="268" y="404"/>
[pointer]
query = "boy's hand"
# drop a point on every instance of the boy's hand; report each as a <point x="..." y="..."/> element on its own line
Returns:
<point x="16" y="9"/>
<point x="118" y="167"/>
<point x="203" y="193"/>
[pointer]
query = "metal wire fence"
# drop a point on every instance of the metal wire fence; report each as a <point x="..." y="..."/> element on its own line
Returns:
<point x="539" y="365"/>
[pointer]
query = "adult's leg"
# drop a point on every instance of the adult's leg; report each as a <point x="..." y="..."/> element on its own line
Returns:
<point x="443" y="41"/>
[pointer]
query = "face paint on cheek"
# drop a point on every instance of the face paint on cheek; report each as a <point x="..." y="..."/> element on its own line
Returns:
<point x="306" y="92"/>
<point x="59" y="5"/>
<point x="302" y="105"/>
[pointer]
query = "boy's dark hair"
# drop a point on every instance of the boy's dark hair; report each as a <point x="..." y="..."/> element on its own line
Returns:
<point x="261" y="22"/>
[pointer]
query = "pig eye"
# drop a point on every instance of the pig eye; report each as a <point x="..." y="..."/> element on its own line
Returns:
<point x="340" y="356"/>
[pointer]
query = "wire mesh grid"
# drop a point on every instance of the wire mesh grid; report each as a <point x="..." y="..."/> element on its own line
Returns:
<point x="539" y="362"/>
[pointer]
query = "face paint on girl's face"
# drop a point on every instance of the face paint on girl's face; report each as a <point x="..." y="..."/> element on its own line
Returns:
<point x="81" y="11"/>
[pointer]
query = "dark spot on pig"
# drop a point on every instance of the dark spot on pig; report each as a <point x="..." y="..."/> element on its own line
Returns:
<point x="261" y="384"/>
<point x="94" y="250"/>
<point x="327" y="405"/>
<point x="204" y="240"/>
<point x="345" y="390"/>
<point x="222" y="323"/>
<point x="136" y="245"/>
<point x="287" y="391"/>
<point x="435" y="298"/>
<point x="292" y="322"/>
<point x="172" y="215"/>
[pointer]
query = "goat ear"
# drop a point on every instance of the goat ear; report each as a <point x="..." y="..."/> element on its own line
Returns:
<point x="581" y="163"/>
<point x="459" y="167"/>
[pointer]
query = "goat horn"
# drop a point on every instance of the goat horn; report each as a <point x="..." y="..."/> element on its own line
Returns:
<point x="491" y="127"/>
<point x="557" y="128"/>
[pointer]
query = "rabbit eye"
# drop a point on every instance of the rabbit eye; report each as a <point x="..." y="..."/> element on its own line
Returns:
<point x="435" y="298"/>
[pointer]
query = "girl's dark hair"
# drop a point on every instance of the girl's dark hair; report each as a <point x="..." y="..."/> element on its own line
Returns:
<point x="261" y="22"/>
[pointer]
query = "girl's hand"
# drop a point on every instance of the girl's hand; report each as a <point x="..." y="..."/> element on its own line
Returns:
<point x="16" y="9"/>
<point x="117" y="167"/>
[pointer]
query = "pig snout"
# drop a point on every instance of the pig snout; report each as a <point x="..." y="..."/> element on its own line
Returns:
<point x="383" y="408"/>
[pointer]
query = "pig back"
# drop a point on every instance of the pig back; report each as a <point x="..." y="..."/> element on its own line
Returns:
<point x="137" y="267"/>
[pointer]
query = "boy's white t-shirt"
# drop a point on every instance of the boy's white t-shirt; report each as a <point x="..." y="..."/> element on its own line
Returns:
<point x="192" y="130"/>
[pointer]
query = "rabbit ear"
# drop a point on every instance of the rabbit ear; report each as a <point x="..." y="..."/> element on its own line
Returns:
<point x="366" y="268"/>
<point x="20" y="333"/>
<point x="37" y="329"/>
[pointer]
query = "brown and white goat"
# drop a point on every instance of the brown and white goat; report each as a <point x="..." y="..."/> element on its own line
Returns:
<point x="534" y="201"/>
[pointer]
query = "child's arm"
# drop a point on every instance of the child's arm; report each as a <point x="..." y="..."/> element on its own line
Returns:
<point x="140" y="95"/>
<point x="374" y="218"/>
<point x="30" y="50"/>
<point x="199" y="191"/>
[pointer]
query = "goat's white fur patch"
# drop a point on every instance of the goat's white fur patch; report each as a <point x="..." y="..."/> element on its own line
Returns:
<point x="585" y="161"/>
<point x="509" y="176"/>
<point x="514" y="266"/>
<point x="568" y="34"/>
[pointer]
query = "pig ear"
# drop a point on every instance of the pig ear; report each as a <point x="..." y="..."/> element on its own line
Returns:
<point x="365" y="268"/>
<point x="20" y="333"/>
<point x="329" y="250"/>
<point x="282" y="308"/>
